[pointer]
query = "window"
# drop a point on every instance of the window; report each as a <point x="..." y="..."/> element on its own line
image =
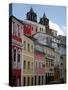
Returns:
<point x="31" y="48"/>
<point x="36" y="29"/>
<point x="18" y="30"/>
<point x="32" y="65"/>
<point x="32" y="81"/>
<point x="28" y="46"/>
<point x="39" y="65"/>
<point x="36" y="65"/>
<point x="61" y="57"/>
<point x="42" y="80"/>
<point x="24" y="45"/>
<point x="28" y="81"/>
<point x="14" y="80"/>
<point x="61" y="64"/>
<point x="28" y="65"/>
<point x="40" y="29"/>
<point x="24" y="79"/>
<point x="14" y="30"/>
<point x="19" y="57"/>
<point x="39" y="80"/>
<point x="32" y="28"/>
<point x="35" y="80"/>
<point x="24" y="64"/>
<point x="14" y="55"/>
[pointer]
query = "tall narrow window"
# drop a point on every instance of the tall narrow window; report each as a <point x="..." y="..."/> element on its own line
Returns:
<point x="32" y="65"/>
<point x="39" y="80"/>
<point x="14" y="30"/>
<point x="19" y="57"/>
<point x="24" y="81"/>
<point x="24" y="64"/>
<point x="28" y="46"/>
<point x="36" y="29"/>
<point x="42" y="80"/>
<point x="32" y="81"/>
<point x="35" y="80"/>
<point x="28" y="81"/>
<point x="31" y="48"/>
<point x="18" y="30"/>
<point x="28" y="65"/>
<point x="24" y="45"/>
<point x="14" y="55"/>
<point x="36" y="65"/>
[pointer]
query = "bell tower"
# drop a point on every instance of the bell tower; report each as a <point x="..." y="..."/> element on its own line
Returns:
<point x="44" y="21"/>
<point x="31" y="15"/>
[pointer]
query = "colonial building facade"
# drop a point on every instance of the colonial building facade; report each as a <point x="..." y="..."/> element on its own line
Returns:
<point x="35" y="50"/>
<point x="15" y="51"/>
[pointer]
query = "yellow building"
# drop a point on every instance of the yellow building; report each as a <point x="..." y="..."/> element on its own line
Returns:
<point x="28" y="61"/>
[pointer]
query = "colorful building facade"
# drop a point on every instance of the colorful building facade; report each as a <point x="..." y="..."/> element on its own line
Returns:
<point x="35" y="58"/>
<point x="15" y="49"/>
<point x="39" y="64"/>
<point x="28" y="61"/>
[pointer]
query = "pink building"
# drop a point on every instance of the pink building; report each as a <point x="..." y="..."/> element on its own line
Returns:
<point x="15" y="49"/>
<point x="39" y="64"/>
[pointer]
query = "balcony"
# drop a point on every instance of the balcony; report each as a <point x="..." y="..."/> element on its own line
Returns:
<point x="50" y="56"/>
<point x="39" y="48"/>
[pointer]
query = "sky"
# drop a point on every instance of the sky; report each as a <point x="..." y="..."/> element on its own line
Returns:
<point x="55" y="14"/>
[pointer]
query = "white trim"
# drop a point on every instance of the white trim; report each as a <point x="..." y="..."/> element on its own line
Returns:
<point x="28" y="55"/>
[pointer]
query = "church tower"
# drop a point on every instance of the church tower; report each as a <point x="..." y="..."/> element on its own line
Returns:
<point x="44" y="21"/>
<point x="31" y="15"/>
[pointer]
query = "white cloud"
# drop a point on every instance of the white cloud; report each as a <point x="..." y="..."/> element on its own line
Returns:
<point x="60" y="30"/>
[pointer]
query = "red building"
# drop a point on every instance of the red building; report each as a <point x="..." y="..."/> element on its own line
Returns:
<point x="15" y="49"/>
<point x="27" y="29"/>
